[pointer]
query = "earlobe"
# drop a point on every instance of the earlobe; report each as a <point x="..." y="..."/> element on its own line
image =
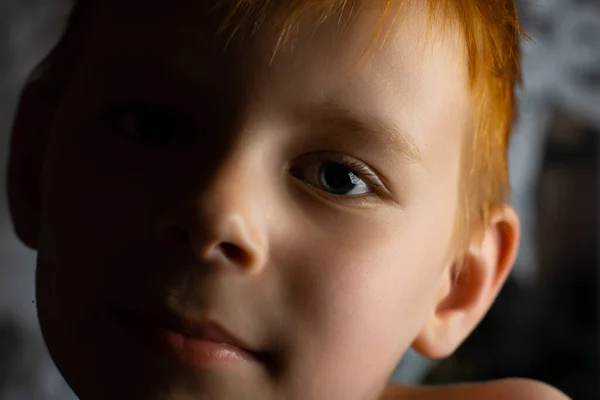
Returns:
<point x="26" y="153"/>
<point x="467" y="296"/>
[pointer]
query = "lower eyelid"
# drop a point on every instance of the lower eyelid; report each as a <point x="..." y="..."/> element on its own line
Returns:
<point x="361" y="201"/>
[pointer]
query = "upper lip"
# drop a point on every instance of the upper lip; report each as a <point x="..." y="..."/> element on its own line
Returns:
<point x="204" y="329"/>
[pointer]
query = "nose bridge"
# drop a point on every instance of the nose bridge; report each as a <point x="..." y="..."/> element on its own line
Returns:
<point x="231" y="192"/>
<point x="228" y="222"/>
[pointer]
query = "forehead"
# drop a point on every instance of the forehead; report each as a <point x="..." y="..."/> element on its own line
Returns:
<point x="407" y="78"/>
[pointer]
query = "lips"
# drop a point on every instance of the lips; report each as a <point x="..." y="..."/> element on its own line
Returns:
<point x="193" y="342"/>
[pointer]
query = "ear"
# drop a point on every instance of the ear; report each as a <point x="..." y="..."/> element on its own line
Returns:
<point x="466" y="296"/>
<point x="26" y="153"/>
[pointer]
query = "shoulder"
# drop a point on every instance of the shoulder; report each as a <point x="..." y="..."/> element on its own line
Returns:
<point x="518" y="388"/>
<point x="504" y="389"/>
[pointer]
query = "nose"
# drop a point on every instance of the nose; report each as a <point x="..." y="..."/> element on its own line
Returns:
<point x="223" y="222"/>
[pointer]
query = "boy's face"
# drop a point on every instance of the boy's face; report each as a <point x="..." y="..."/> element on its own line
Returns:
<point x="207" y="182"/>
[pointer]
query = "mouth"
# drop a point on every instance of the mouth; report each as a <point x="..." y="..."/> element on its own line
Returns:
<point x="198" y="344"/>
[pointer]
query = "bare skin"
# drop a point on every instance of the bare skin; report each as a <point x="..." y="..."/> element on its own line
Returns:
<point x="513" y="389"/>
<point x="179" y="175"/>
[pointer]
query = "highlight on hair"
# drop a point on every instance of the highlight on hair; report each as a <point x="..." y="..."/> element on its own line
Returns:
<point x="491" y="32"/>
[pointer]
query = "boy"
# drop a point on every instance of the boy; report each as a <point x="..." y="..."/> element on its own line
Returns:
<point x="268" y="199"/>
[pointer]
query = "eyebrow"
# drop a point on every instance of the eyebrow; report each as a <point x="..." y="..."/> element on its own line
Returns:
<point x="367" y="128"/>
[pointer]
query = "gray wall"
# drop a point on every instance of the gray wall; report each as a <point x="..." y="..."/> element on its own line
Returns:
<point x="27" y="30"/>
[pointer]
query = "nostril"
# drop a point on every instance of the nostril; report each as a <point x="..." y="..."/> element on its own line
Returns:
<point x="235" y="253"/>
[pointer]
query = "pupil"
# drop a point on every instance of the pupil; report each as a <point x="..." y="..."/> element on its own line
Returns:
<point x="337" y="178"/>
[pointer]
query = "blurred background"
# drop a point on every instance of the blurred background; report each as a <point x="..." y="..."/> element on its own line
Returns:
<point x="544" y="324"/>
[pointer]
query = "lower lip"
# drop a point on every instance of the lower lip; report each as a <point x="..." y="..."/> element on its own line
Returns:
<point x="174" y="346"/>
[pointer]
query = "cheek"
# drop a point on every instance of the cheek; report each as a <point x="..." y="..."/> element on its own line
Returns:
<point x="374" y="286"/>
<point x="95" y="187"/>
<point x="356" y="299"/>
<point x="95" y="215"/>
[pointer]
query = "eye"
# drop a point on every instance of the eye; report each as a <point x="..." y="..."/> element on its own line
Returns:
<point x="337" y="175"/>
<point x="338" y="179"/>
<point x="145" y="124"/>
